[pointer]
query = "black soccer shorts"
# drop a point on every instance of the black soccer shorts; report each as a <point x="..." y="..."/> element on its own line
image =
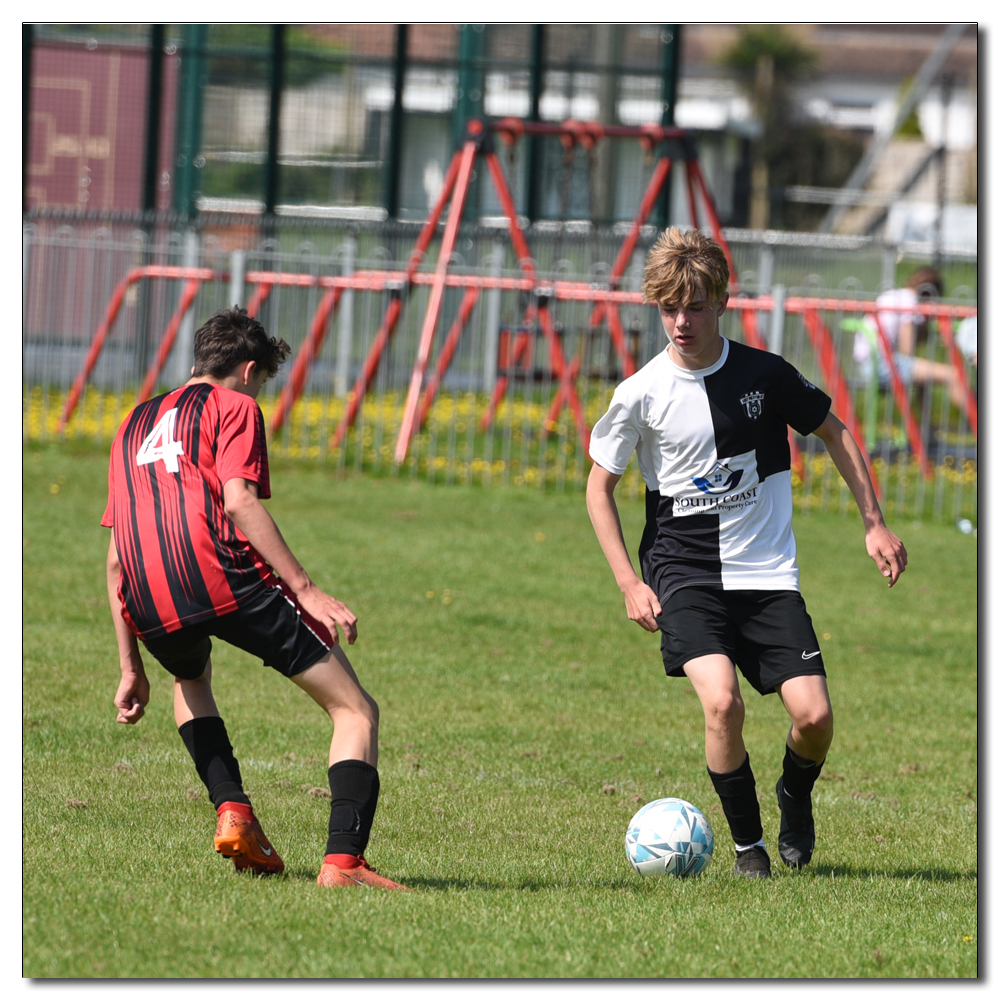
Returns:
<point x="271" y="626"/>
<point x="768" y="634"/>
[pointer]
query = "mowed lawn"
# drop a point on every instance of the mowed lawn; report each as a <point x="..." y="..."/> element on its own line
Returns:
<point x="524" y="720"/>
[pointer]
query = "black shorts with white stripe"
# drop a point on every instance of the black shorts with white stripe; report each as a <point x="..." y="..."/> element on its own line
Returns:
<point x="271" y="626"/>
<point x="768" y="634"/>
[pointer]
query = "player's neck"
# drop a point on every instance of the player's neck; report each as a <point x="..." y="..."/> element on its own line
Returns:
<point x="229" y="382"/>
<point x="695" y="362"/>
<point x="211" y="380"/>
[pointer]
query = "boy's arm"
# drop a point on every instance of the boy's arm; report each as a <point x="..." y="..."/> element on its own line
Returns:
<point x="883" y="546"/>
<point x="641" y="601"/>
<point x="252" y="518"/>
<point x="132" y="695"/>
<point x="906" y="342"/>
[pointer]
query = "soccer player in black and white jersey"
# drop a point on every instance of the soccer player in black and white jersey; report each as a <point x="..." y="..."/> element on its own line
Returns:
<point x="708" y="420"/>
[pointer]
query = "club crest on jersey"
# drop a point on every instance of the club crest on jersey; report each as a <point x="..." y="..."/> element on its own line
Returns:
<point x="753" y="403"/>
<point x="721" y="479"/>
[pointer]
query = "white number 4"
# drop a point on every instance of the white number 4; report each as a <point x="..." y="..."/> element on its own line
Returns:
<point x="160" y="444"/>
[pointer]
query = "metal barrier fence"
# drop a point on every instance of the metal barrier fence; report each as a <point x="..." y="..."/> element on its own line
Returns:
<point x="518" y="369"/>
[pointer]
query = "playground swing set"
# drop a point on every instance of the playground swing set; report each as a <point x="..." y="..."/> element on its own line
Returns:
<point x="605" y="297"/>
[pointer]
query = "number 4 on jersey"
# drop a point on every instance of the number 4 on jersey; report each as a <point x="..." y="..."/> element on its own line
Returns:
<point x="160" y="444"/>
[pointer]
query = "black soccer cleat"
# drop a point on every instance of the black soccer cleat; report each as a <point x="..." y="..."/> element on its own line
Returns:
<point x="753" y="863"/>
<point x="797" y="835"/>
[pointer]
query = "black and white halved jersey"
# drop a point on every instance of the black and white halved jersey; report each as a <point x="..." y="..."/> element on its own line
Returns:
<point x="712" y="447"/>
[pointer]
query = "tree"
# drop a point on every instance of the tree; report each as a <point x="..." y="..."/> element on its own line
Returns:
<point x="769" y="58"/>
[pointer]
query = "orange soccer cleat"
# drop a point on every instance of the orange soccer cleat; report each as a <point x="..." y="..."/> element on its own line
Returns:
<point x="360" y="874"/>
<point x="239" y="836"/>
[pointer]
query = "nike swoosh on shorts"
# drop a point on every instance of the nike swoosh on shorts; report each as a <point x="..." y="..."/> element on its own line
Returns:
<point x="809" y="656"/>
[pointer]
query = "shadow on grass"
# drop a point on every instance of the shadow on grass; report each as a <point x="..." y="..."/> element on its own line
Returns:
<point x="630" y="884"/>
<point x="906" y="874"/>
<point x="521" y="885"/>
<point x="473" y="884"/>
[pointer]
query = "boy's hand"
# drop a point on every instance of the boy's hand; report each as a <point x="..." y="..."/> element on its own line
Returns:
<point x="642" y="605"/>
<point x="131" y="698"/>
<point x="887" y="551"/>
<point x="330" y="612"/>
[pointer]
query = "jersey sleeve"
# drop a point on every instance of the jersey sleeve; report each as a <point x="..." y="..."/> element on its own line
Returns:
<point x="241" y="443"/>
<point x="616" y="434"/>
<point x="108" y="518"/>
<point x="803" y="405"/>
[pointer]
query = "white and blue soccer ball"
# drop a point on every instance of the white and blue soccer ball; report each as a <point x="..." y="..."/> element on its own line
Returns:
<point x="669" y="837"/>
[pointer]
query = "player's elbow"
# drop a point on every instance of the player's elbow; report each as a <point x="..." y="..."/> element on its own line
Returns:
<point x="237" y="500"/>
<point x="831" y="429"/>
<point x="236" y="507"/>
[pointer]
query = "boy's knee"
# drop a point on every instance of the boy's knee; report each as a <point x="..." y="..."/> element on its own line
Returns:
<point x="817" y="722"/>
<point x="363" y="710"/>
<point x="725" y="710"/>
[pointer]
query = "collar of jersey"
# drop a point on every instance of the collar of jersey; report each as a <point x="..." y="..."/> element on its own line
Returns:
<point x="694" y="373"/>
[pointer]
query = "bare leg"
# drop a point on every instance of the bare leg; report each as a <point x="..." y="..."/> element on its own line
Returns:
<point x="334" y="686"/>
<point x="807" y="701"/>
<point x="194" y="699"/>
<point x="714" y="680"/>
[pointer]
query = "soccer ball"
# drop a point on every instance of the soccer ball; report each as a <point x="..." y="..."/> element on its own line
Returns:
<point x="669" y="837"/>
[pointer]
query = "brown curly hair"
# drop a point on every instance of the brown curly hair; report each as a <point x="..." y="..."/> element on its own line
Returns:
<point x="926" y="282"/>
<point x="683" y="263"/>
<point x="231" y="337"/>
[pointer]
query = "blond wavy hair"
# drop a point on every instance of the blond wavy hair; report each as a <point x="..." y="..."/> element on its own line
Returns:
<point x="682" y="264"/>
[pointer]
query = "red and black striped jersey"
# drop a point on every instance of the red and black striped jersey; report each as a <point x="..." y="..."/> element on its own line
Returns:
<point x="183" y="559"/>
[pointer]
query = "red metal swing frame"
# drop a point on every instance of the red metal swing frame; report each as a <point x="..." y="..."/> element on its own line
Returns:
<point x="606" y="298"/>
<point x="478" y="144"/>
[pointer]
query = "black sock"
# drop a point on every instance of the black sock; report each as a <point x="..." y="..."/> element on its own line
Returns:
<point x="738" y="793"/>
<point x="798" y="774"/>
<point x="208" y="743"/>
<point x="354" y="789"/>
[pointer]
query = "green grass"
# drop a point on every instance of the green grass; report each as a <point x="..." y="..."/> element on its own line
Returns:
<point x="524" y="720"/>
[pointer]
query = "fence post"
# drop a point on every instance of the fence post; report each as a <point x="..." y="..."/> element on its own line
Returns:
<point x="776" y="332"/>
<point x="670" y="45"/>
<point x="277" y="82"/>
<point x="533" y="199"/>
<point x="237" y="270"/>
<point x="492" y="321"/>
<point x="194" y="63"/>
<point x="345" y="340"/>
<point x="765" y="270"/>
<point x="154" y="114"/>
<point x="390" y="181"/>
<point x="183" y="352"/>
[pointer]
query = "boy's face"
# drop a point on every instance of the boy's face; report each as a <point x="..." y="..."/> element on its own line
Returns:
<point x="693" y="329"/>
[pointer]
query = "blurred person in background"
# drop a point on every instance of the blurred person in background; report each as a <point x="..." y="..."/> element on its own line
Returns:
<point x="904" y="330"/>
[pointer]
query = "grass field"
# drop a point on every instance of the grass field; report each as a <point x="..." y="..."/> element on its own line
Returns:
<point x="524" y="720"/>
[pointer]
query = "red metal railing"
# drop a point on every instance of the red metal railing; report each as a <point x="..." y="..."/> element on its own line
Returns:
<point x="194" y="276"/>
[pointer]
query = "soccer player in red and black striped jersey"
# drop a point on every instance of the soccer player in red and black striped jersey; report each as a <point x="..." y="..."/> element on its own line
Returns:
<point x="194" y="555"/>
